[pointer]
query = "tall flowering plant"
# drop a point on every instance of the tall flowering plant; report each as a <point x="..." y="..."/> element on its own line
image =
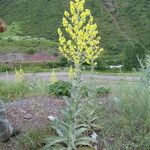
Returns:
<point x="19" y="75"/>
<point x="79" y="40"/>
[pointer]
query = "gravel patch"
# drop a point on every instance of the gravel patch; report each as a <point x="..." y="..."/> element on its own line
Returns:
<point x="32" y="112"/>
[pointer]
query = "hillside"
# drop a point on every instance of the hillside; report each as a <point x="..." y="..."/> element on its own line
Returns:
<point x="121" y="24"/>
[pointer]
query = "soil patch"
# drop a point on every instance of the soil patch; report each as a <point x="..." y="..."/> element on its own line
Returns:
<point x="32" y="112"/>
<point x="28" y="114"/>
<point x="20" y="57"/>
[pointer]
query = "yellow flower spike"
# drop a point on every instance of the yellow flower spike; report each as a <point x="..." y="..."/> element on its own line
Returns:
<point x="53" y="78"/>
<point x="71" y="73"/>
<point x="19" y="75"/>
<point x="82" y="43"/>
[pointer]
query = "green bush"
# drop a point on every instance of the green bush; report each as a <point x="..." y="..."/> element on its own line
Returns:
<point x="60" y="88"/>
<point x="4" y="68"/>
<point x="131" y="54"/>
<point x="98" y="90"/>
<point x="102" y="91"/>
<point x="63" y="62"/>
<point x="52" y="64"/>
<point x="31" y="50"/>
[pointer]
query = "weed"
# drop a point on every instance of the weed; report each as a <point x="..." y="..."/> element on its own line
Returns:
<point x="60" y="88"/>
<point x="34" y="139"/>
<point x="70" y="132"/>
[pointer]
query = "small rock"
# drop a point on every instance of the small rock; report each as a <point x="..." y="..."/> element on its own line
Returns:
<point x="22" y="111"/>
<point x="52" y="118"/>
<point x="27" y="116"/>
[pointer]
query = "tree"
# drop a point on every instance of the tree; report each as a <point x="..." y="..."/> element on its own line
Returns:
<point x="78" y="40"/>
<point x="133" y="52"/>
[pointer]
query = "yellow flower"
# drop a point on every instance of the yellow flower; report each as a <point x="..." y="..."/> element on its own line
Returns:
<point x="71" y="73"/>
<point x="53" y="78"/>
<point x="66" y="14"/>
<point x="80" y="43"/>
<point x="19" y="75"/>
<point x="65" y="22"/>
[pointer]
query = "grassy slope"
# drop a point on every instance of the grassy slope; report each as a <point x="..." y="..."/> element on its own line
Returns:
<point x="42" y="18"/>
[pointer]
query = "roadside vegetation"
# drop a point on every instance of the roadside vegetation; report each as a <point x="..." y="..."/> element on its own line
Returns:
<point x="93" y="116"/>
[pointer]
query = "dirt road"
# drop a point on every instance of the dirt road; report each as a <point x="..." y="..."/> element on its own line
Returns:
<point x="64" y="76"/>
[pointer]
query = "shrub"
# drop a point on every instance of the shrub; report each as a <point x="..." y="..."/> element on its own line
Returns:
<point x="31" y="50"/>
<point x="4" y="68"/>
<point x="131" y="54"/>
<point x="98" y="90"/>
<point x="102" y="90"/>
<point x="60" y="88"/>
<point x="52" y="64"/>
<point x="63" y="62"/>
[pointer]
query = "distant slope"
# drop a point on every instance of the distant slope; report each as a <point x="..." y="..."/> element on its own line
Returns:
<point x="119" y="21"/>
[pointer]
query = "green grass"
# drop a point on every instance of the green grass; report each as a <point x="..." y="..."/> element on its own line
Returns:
<point x="127" y="120"/>
<point x="10" y="90"/>
<point x="27" y="45"/>
<point x="30" y="67"/>
<point x="34" y="139"/>
<point x="42" y="18"/>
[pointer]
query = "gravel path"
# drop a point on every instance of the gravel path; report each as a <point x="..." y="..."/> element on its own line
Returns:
<point x="64" y="75"/>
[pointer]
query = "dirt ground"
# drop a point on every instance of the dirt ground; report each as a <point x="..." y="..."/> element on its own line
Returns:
<point x="31" y="113"/>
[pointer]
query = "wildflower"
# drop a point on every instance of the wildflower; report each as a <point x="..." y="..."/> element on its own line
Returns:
<point x="82" y="43"/>
<point x="53" y="78"/>
<point x="19" y="75"/>
<point x="71" y="73"/>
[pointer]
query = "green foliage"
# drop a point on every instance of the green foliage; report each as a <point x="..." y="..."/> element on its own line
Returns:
<point x="33" y="139"/>
<point x="63" y="88"/>
<point x="131" y="56"/>
<point x="13" y="30"/>
<point x="27" y="44"/>
<point x="10" y="90"/>
<point x="128" y="122"/>
<point x="52" y="64"/>
<point x="63" y="62"/>
<point x="70" y="132"/>
<point x="4" y="68"/>
<point x="60" y="88"/>
<point x="102" y="91"/>
<point x="99" y="91"/>
<point x="42" y="19"/>
<point x="30" y="50"/>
